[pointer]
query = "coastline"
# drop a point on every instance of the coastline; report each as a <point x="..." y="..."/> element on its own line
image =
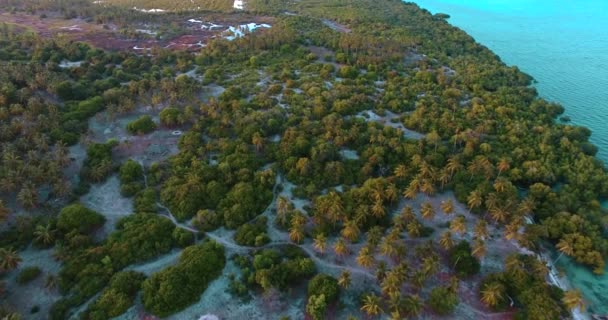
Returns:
<point x="561" y="282"/>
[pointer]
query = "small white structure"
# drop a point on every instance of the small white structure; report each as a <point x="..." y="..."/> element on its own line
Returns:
<point x="176" y="133"/>
<point x="239" y="4"/>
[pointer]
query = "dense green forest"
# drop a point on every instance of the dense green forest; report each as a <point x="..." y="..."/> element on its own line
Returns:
<point x="357" y="150"/>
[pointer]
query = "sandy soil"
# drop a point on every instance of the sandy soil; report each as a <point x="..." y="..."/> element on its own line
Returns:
<point x="106" y="199"/>
<point x="25" y="297"/>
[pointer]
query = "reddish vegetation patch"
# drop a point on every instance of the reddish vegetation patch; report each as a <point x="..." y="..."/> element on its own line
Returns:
<point x="107" y="36"/>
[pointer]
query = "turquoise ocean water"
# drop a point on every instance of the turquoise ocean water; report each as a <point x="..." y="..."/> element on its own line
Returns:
<point x="563" y="44"/>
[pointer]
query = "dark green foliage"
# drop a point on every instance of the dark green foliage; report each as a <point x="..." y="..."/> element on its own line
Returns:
<point x="207" y="220"/>
<point x="141" y="125"/>
<point x="139" y="237"/>
<point x="528" y="288"/>
<point x="145" y="201"/>
<point x="253" y="233"/>
<point x="463" y="261"/>
<point x="443" y="300"/>
<point x="323" y="284"/>
<point x="79" y="218"/>
<point x="98" y="163"/>
<point x="279" y="269"/>
<point x="28" y="274"/>
<point x="117" y="298"/>
<point x="131" y="178"/>
<point x="178" y="286"/>
<point x="182" y="238"/>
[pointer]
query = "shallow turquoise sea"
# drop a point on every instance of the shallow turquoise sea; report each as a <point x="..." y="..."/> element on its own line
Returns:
<point x="563" y="44"/>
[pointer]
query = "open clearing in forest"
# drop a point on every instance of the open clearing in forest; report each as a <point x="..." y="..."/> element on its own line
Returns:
<point x="194" y="35"/>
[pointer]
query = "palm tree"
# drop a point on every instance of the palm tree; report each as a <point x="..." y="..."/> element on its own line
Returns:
<point x="320" y="242"/>
<point x="257" y="141"/>
<point x="390" y="284"/>
<point x="474" y="199"/>
<point x="444" y="178"/>
<point x="351" y="231"/>
<point x="481" y="229"/>
<point x="408" y="214"/>
<point x="430" y="265"/>
<point x="564" y="247"/>
<point x="446" y="240"/>
<point x="427" y="211"/>
<point x="340" y="248"/>
<point x="413" y="305"/>
<point x="388" y="247"/>
<point x="479" y="249"/>
<point x="3" y="211"/>
<point x="344" y="280"/>
<point x="574" y="299"/>
<point x="458" y="225"/>
<point x="365" y="257"/>
<point x="378" y="210"/>
<point x="296" y="231"/>
<point x="44" y="234"/>
<point x="492" y="294"/>
<point x="400" y="171"/>
<point x="371" y="305"/>
<point x="453" y="165"/>
<point x="28" y="196"/>
<point x="412" y="190"/>
<point x="9" y="259"/>
<point x="283" y="206"/>
<point x="499" y="214"/>
<point x="447" y="206"/>
<point x="503" y="165"/>
<point x="427" y="187"/>
<point x="501" y="184"/>
<point x="414" y="228"/>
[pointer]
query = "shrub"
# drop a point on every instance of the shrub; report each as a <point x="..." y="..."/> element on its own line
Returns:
<point x="118" y="297"/>
<point x="77" y="217"/>
<point x="323" y="284"/>
<point x="463" y="261"/>
<point x="442" y="300"/>
<point x="252" y="234"/>
<point x="28" y="274"/>
<point x="141" y="125"/>
<point x="178" y="286"/>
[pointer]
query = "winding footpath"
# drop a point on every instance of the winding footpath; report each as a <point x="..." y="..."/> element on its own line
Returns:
<point x="230" y="244"/>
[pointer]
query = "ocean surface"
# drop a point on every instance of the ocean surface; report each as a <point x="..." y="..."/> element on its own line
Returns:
<point x="563" y="44"/>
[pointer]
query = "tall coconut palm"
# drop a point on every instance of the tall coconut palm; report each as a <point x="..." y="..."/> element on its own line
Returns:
<point x="320" y="242"/>
<point x="564" y="247"/>
<point x="413" y="305"/>
<point x="446" y="240"/>
<point x="351" y="231"/>
<point x="388" y="247"/>
<point x="400" y="171"/>
<point x="44" y="234"/>
<point x="9" y="259"/>
<point x="492" y="294"/>
<point x="503" y="165"/>
<point x="3" y="211"/>
<point x="365" y="257"/>
<point x="447" y="206"/>
<point x="481" y="229"/>
<point x="371" y="305"/>
<point x="414" y="228"/>
<point x="474" y="199"/>
<point x="378" y="210"/>
<point x="453" y="165"/>
<point x="283" y="206"/>
<point x="344" y="280"/>
<point x="458" y="225"/>
<point x="479" y="248"/>
<point x="340" y="248"/>
<point x="257" y="141"/>
<point x="573" y="299"/>
<point x="427" y="211"/>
